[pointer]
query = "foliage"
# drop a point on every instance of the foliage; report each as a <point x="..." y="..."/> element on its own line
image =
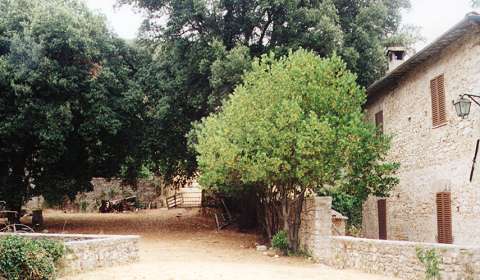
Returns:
<point x="347" y="204"/>
<point x="356" y="29"/>
<point x="69" y="108"/>
<point x="202" y="48"/>
<point x="280" y="241"/>
<point x="294" y="125"/>
<point x="227" y="71"/>
<point x="55" y="249"/>
<point x="355" y="231"/>
<point x="83" y="205"/>
<point x="23" y="258"/>
<point x="431" y="261"/>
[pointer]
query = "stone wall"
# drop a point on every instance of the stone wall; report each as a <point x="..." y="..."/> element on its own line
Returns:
<point x="399" y="258"/>
<point x="390" y="258"/>
<point x="433" y="159"/>
<point x="105" y="251"/>
<point x="316" y="227"/>
<point x="88" y="252"/>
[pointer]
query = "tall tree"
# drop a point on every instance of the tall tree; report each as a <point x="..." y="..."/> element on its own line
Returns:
<point x="204" y="47"/>
<point x="66" y="111"/>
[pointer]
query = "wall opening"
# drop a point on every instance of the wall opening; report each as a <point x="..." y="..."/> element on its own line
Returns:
<point x="382" y="219"/>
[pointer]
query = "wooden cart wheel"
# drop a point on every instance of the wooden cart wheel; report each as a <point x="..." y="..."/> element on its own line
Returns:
<point x="17" y="228"/>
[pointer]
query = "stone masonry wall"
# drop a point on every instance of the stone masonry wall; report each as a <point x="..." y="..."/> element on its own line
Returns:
<point x="390" y="258"/>
<point x="316" y="227"/>
<point x="433" y="159"/>
<point x="89" y="252"/>
<point x="96" y="253"/>
<point x="399" y="258"/>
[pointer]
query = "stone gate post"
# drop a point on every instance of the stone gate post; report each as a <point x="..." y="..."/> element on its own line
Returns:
<point x="316" y="228"/>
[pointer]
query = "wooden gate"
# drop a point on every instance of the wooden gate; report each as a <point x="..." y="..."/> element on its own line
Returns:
<point x="185" y="198"/>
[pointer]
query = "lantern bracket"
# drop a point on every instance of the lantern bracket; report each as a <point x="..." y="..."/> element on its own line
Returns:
<point x="472" y="97"/>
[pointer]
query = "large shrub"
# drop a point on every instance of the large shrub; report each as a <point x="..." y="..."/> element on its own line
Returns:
<point x="294" y="127"/>
<point x="26" y="259"/>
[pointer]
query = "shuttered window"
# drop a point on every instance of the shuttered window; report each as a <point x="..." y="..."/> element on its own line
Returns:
<point x="379" y="121"/>
<point x="444" y="217"/>
<point x="437" y="89"/>
<point x="382" y="218"/>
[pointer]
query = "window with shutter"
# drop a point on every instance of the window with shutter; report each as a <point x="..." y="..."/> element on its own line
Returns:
<point x="379" y="121"/>
<point x="437" y="89"/>
<point x="444" y="217"/>
<point x="382" y="218"/>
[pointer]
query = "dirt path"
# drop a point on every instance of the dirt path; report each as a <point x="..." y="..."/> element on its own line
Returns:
<point x="187" y="247"/>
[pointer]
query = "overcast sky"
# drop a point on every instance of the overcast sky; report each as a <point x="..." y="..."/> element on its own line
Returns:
<point x="432" y="21"/>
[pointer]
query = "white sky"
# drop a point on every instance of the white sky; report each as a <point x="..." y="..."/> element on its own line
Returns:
<point x="124" y="21"/>
<point x="433" y="16"/>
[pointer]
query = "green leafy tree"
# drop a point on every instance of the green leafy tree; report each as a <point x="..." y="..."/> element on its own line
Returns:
<point x="202" y="48"/>
<point x="356" y="30"/>
<point x="293" y="127"/>
<point x="69" y="110"/>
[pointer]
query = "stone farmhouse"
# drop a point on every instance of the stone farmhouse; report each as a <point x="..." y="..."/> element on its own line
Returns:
<point x="438" y="198"/>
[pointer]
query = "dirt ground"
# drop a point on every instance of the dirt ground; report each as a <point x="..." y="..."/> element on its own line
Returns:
<point x="183" y="245"/>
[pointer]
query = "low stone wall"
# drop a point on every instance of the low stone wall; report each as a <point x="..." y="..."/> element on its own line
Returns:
<point x="88" y="252"/>
<point x="102" y="252"/>
<point x="387" y="257"/>
<point x="399" y="258"/>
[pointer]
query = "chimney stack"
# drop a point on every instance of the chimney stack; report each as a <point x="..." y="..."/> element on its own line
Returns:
<point x="396" y="56"/>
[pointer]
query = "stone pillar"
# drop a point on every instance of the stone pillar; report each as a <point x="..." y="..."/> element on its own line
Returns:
<point x="316" y="228"/>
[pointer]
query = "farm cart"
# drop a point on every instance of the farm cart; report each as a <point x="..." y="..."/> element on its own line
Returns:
<point x="6" y="218"/>
<point x="119" y="205"/>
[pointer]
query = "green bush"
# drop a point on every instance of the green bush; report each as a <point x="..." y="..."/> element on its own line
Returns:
<point x="26" y="259"/>
<point x="431" y="260"/>
<point x="280" y="241"/>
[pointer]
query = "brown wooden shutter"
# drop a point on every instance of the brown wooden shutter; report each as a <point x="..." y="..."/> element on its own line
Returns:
<point x="437" y="89"/>
<point x="444" y="217"/>
<point x="379" y="121"/>
<point x="382" y="218"/>
<point x="442" y="114"/>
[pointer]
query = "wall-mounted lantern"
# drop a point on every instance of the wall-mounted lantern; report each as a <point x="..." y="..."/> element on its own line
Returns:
<point x="463" y="104"/>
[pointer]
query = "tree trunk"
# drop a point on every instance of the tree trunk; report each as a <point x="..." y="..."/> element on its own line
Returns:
<point x="282" y="211"/>
<point x="14" y="203"/>
<point x="297" y="207"/>
<point x="285" y="212"/>
<point x="15" y="190"/>
<point x="268" y="212"/>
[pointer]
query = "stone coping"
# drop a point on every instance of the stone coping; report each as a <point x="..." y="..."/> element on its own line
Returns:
<point x="406" y="243"/>
<point x="76" y="239"/>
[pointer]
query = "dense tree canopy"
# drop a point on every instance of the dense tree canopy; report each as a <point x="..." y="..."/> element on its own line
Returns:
<point x="67" y="104"/>
<point x="203" y="47"/>
<point x="356" y="30"/>
<point x="77" y="102"/>
<point x="293" y="127"/>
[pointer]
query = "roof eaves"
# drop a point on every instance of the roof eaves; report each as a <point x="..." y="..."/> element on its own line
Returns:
<point x="432" y="49"/>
